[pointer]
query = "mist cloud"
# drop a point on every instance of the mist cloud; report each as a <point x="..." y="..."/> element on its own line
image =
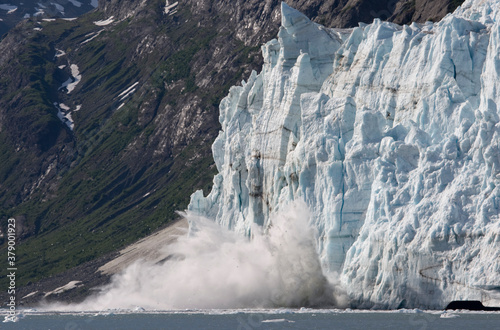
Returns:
<point x="213" y="267"/>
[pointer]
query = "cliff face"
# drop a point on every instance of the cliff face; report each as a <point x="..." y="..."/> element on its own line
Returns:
<point x="390" y="135"/>
<point x="107" y="121"/>
<point x="342" y="13"/>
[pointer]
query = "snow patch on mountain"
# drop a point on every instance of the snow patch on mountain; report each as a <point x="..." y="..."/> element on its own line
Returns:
<point x="59" y="8"/>
<point x="65" y="114"/>
<point x="391" y="135"/>
<point x="105" y="22"/>
<point x="128" y="91"/>
<point x="8" y="7"/>
<point x="75" y="3"/>
<point x="39" y="12"/>
<point x="91" y="36"/>
<point x="75" y="78"/>
<point x="171" y="8"/>
<point x="59" y="53"/>
<point x="69" y="286"/>
<point x="30" y="294"/>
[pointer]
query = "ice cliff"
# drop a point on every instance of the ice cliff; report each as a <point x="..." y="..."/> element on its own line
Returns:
<point x="391" y="136"/>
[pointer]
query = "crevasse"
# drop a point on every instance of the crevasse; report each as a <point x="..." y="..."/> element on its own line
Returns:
<point x="391" y="136"/>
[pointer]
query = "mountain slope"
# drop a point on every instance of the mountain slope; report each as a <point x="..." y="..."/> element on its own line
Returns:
<point x="11" y="14"/>
<point x="106" y="122"/>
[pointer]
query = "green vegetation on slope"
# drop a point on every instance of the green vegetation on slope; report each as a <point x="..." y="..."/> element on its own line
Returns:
<point x="112" y="187"/>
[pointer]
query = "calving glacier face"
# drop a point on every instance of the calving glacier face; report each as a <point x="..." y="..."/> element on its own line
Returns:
<point x="391" y="136"/>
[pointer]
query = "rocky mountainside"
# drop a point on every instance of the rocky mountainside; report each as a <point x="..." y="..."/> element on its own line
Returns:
<point x="11" y="14"/>
<point x="107" y="121"/>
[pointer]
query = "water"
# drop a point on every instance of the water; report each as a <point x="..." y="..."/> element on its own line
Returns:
<point x="259" y="319"/>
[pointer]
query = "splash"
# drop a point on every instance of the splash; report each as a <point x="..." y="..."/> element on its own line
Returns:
<point x="213" y="267"/>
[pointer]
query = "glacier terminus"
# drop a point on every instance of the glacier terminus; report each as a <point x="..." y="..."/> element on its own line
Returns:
<point x="391" y="136"/>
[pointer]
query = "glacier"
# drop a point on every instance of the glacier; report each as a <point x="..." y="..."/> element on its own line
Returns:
<point x="391" y="136"/>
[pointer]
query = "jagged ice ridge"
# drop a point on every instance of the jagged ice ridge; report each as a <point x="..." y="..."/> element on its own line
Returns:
<point x="391" y="136"/>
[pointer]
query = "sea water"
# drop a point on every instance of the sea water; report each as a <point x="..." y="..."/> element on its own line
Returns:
<point x="257" y="319"/>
